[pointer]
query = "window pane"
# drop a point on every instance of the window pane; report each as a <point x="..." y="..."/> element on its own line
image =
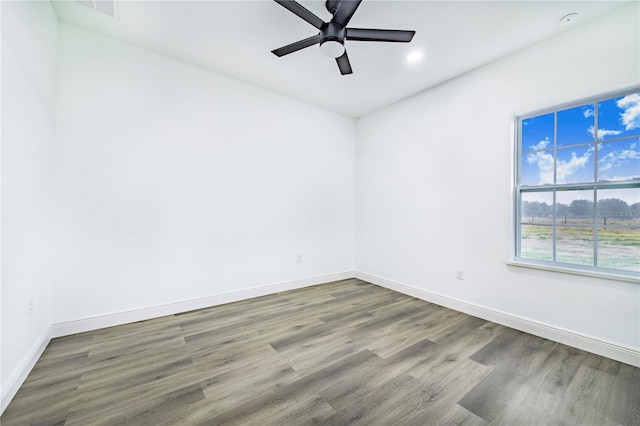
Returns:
<point x="619" y="248"/>
<point x="619" y="117"/>
<point x="537" y="207"/>
<point x="619" y="206"/>
<point x="575" y="125"/>
<point x="619" y="161"/>
<point x="574" y="207"/>
<point x="574" y="244"/>
<point x="537" y="132"/>
<point x="536" y="242"/>
<point x="537" y="168"/>
<point x="575" y="165"/>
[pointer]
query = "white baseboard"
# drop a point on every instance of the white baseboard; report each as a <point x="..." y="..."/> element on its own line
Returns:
<point x="616" y="351"/>
<point x="125" y="317"/>
<point x="10" y="387"/>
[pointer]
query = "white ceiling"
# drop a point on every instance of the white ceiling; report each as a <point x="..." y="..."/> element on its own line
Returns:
<point x="235" y="38"/>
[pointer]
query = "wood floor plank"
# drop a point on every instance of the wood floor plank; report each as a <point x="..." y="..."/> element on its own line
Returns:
<point x="148" y="412"/>
<point x="443" y="387"/>
<point x="389" y="403"/>
<point x="98" y="407"/>
<point x="592" y="397"/>
<point x="456" y="415"/>
<point x="40" y="410"/>
<point x="311" y="357"/>
<point x="625" y="397"/>
<point x="500" y="348"/>
<point x="234" y="358"/>
<point x="344" y="394"/>
<point x="346" y="352"/>
<point x="273" y="407"/>
<point x="558" y="370"/>
<point x="495" y="392"/>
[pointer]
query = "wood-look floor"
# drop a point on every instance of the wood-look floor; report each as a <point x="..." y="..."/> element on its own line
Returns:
<point x="346" y="352"/>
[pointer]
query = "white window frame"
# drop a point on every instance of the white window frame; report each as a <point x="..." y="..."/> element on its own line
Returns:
<point x="518" y="190"/>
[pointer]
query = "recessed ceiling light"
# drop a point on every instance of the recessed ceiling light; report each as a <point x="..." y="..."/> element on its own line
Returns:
<point x="414" y="56"/>
<point x="569" y="18"/>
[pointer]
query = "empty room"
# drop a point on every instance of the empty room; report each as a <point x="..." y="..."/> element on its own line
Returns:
<point x="308" y="212"/>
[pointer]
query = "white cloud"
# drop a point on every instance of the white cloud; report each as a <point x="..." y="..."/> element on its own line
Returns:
<point x="616" y="158"/>
<point x="541" y="145"/>
<point x="587" y="113"/>
<point x="564" y="169"/>
<point x="631" y="115"/>
<point x="603" y="132"/>
<point x="544" y="161"/>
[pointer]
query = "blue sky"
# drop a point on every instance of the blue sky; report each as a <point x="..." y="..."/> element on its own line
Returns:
<point x="618" y="160"/>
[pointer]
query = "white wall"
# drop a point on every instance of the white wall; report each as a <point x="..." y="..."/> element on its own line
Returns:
<point x="433" y="183"/>
<point x="175" y="183"/>
<point x="29" y="32"/>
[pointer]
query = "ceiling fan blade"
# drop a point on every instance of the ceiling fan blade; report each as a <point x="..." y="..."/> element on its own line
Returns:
<point x="368" y="34"/>
<point x="301" y="11"/>
<point x="345" y="11"/>
<point x="298" y="45"/>
<point x="344" y="64"/>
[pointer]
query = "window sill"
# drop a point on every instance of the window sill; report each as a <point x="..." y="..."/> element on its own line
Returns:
<point x="595" y="274"/>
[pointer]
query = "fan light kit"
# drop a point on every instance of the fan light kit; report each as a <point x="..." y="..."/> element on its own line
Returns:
<point x="332" y="49"/>
<point x="333" y="34"/>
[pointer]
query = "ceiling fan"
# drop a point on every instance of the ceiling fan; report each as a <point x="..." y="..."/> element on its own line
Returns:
<point x="333" y="33"/>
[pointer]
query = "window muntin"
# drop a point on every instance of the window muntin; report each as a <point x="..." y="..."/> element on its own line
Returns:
<point x="578" y="185"/>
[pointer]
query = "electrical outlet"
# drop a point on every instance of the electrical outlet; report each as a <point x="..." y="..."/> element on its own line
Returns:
<point x="31" y="303"/>
<point x="460" y="274"/>
<point x="299" y="258"/>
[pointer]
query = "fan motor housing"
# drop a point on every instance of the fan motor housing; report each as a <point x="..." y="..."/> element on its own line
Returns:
<point x="332" y="31"/>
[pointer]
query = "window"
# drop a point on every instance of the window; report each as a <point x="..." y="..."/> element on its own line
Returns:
<point x="578" y="186"/>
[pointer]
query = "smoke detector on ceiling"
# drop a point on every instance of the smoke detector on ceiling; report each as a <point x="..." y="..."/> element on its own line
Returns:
<point x="568" y="18"/>
<point x="108" y="7"/>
